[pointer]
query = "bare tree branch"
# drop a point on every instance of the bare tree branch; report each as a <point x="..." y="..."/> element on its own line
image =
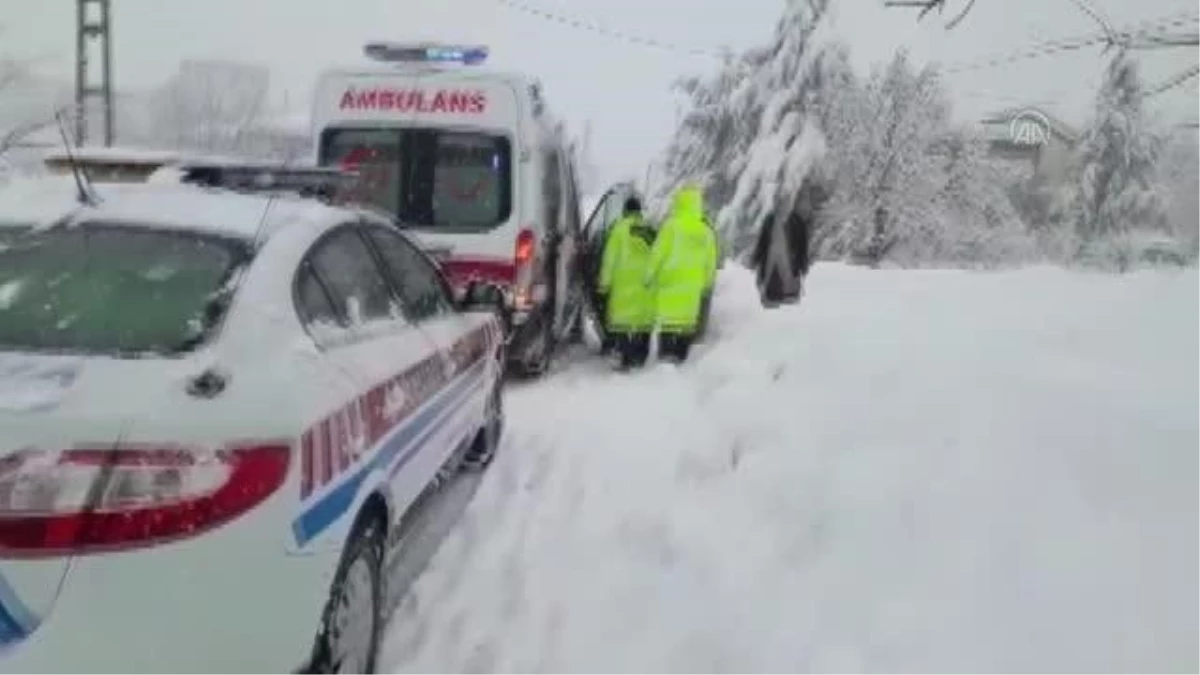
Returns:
<point x="1095" y="15"/>
<point x="14" y="136"/>
<point x="961" y="15"/>
<point x="928" y="6"/>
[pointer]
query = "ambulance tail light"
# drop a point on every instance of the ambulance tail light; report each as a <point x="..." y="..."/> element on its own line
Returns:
<point x="523" y="259"/>
<point x="81" y="501"/>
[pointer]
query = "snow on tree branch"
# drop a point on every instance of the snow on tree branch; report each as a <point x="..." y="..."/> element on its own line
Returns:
<point x="25" y="108"/>
<point x="751" y="133"/>
<point x="1115" y="197"/>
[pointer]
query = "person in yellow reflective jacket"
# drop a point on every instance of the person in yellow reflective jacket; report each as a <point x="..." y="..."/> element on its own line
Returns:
<point x="682" y="270"/>
<point x="629" y="305"/>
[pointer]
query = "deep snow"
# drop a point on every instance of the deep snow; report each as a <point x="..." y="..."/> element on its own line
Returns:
<point x="912" y="471"/>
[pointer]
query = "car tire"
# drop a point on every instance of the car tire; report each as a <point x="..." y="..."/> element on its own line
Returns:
<point x="487" y="441"/>
<point x="355" y="605"/>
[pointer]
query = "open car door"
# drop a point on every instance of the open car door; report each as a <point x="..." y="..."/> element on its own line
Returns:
<point x="604" y="214"/>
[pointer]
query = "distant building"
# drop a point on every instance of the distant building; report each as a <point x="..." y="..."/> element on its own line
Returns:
<point x="1033" y="136"/>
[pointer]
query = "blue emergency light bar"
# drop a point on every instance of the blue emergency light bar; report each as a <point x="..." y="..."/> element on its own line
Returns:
<point x="397" y="52"/>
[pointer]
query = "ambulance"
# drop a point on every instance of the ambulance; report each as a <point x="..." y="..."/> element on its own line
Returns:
<point x="473" y="165"/>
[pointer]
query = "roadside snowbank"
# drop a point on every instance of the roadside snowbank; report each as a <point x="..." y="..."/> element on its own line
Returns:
<point x="914" y="470"/>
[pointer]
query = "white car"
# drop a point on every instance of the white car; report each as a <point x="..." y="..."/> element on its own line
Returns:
<point x="215" y="412"/>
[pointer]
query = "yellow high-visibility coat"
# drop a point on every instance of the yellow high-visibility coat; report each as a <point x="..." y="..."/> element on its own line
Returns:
<point x="622" y="272"/>
<point x="683" y="264"/>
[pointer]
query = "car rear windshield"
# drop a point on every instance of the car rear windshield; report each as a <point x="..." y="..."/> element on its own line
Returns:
<point x="112" y="289"/>
<point x="433" y="178"/>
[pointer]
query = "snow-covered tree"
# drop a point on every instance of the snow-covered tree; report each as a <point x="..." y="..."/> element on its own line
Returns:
<point x="209" y="106"/>
<point x="20" y="113"/>
<point x="29" y="103"/>
<point x="1181" y="174"/>
<point x="890" y="167"/>
<point x="979" y="223"/>
<point x="751" y="134"/>
<point x="1114" y="195"/>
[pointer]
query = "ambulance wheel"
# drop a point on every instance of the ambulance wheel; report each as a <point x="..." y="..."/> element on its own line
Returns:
<point x="535" y="361"/>
<point x="353" y="618"/>
<point x="537" y="364"/>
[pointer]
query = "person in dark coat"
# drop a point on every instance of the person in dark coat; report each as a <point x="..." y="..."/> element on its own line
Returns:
<point x="781" y="256"/>
<point x="780" y="259"/>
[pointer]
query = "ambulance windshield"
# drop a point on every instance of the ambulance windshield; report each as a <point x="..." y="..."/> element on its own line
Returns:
<point x="434" y="178"/>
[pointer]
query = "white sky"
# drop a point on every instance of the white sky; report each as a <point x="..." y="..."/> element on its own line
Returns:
<point x="621" y="88"/>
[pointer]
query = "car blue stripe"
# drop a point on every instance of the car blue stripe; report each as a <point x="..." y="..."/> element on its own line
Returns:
<point x="16" y="621"/>
<point x="399" y="445"/>
<point x="10" y="632"/>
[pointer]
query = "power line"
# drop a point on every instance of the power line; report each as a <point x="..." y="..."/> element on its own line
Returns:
<point x="1047" y="48"/>
<point x="1172" y="82"/>
<point x="591" y="26"/>
<point x="1074" y="43"/>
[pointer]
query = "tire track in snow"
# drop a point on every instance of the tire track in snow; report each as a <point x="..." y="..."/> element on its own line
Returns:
<point x="454" y="620"/>
<point x="572" y="487"/>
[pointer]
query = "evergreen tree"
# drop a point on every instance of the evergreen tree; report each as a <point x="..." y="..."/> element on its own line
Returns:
<point x="1114" y="194"/>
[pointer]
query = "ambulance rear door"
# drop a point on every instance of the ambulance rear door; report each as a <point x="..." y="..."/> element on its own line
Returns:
<point x="438" y="150"/>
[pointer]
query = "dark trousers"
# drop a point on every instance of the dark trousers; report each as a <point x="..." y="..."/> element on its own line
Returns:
<point x="634" y="348"/>
<point x="675" y="346"/>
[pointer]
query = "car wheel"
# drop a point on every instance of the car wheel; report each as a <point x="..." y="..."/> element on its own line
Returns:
<point x="483" y="450"/>
<point x="352" y="621"/>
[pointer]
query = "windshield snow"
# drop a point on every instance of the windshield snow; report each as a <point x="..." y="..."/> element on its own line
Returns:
<point x="113" y="290"/>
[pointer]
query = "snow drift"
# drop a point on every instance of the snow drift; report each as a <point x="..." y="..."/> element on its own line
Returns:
<point x="912" y="471"/>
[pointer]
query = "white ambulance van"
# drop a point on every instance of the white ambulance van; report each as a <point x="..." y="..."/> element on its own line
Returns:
<point x="472" y="163"/>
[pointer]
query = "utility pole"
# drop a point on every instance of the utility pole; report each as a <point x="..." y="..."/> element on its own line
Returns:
<point x="93" y="24"/>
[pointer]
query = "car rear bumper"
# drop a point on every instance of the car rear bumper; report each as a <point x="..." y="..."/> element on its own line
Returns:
<point x="198" y="606"/>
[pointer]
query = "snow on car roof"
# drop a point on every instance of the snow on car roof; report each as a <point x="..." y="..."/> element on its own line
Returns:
<point x="220" y="212"/>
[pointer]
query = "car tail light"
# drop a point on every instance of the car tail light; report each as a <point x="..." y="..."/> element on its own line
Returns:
<point x="526" y="247"/>
<point x="523" y="256"/>
<point x="55" y="503"/>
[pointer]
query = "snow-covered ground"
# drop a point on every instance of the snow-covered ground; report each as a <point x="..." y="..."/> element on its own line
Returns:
<point x="913" y="471"/>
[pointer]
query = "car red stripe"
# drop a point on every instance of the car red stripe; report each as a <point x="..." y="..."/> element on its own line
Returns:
<point x="306" y="463"/>
<point x="325" y="454"/>
<point x="376" y="424"/>
<point x="328" y="447"/>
